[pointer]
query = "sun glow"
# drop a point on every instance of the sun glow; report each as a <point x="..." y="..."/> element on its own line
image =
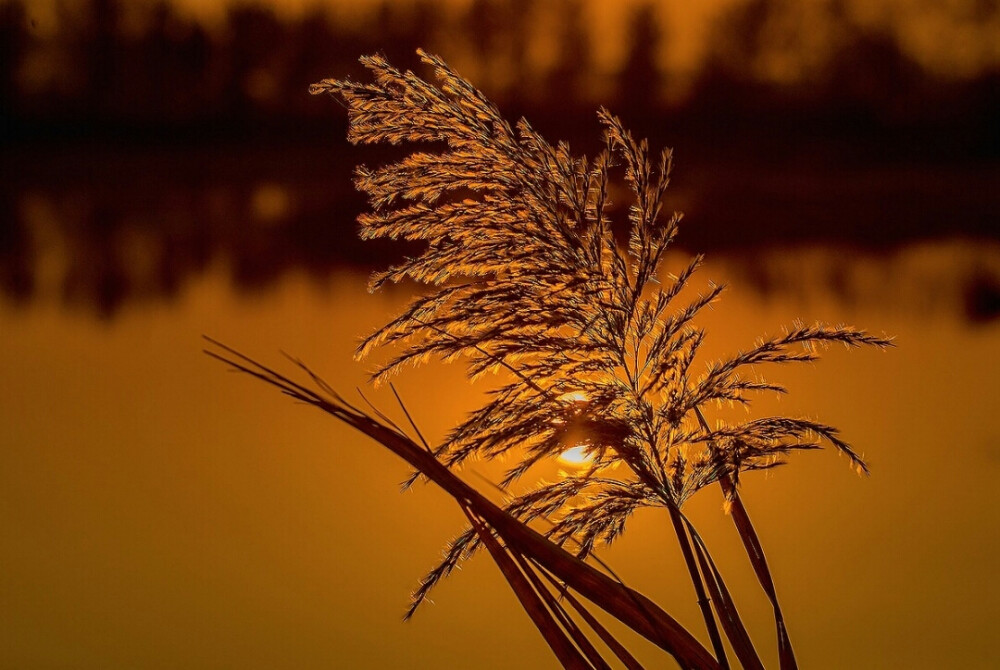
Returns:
<point x="577" y="457"/>
<point x="574" y="396"/>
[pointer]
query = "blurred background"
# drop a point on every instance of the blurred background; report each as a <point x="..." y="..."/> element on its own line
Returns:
<point x="166" y="174"/>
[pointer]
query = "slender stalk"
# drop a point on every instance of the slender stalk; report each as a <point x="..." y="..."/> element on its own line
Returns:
<point x="544" y="618"/>
<point x="751" y="543"/>
<point x="723" y="604"/>
<point x="699" y="587"/>
<point x="620" y="602"/>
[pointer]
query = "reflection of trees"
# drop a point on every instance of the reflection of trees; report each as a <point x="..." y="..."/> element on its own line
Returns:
<point x="142" y="225"/>
<point x="17" y="254"/>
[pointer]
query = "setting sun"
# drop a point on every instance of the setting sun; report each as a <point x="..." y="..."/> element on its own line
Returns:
<point x="574" y="397"/>
<point x="578" y="456"/>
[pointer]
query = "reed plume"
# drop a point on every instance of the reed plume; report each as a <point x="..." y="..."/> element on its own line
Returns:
<point x="527" y="276"/>
<point x="600" y="345"/>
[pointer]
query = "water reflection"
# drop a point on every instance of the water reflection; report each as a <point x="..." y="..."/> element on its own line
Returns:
<point x="952" y="279"/>
<point x="164" y="513"/>
<point x="132" y="233"/>
<point x="141" y="227"/>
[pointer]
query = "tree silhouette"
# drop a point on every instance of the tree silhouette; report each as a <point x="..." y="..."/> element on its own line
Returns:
<point x="13" y="43"/>
<point x="566" y="83"/>
<point x="173" y="57"/>
<point x="640" y="82"/>
<point x="253" y="44"/>
<point x="102" y="55"/>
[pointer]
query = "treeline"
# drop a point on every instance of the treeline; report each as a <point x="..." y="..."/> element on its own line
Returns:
<point x="139" y="147"/>
<point x="134" y="70"/>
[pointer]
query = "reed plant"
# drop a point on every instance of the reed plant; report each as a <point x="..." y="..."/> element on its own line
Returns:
<point x="597" y="345"/>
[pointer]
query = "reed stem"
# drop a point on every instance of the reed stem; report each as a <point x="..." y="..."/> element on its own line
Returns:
<point x="704" y="601"/>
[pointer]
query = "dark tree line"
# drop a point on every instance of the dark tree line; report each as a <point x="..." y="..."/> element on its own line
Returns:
<point x="153" y="145"/>
<point x="159" y="70"/>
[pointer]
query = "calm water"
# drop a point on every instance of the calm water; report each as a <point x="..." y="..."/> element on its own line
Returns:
<point x="159" y="512"/>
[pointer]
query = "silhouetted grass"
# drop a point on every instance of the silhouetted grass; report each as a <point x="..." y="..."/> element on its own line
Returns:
<point x="525" y="276"/>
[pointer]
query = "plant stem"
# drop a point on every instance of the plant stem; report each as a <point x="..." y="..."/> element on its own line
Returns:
<point x="755" y="552"/>
<point x="699" y="587"/>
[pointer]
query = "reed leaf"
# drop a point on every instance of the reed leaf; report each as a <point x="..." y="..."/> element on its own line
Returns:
<point x="699" y="586"/>
<point x="628" y="606"/>
<point x="748" y="535"/>
<point x="540" y="614"/>
<point x="724" y="606"/>
<point x="559" y="612"/>
<point x="616" y="647"/>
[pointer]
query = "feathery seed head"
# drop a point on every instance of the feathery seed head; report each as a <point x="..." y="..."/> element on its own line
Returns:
<point x="526" y="276"/>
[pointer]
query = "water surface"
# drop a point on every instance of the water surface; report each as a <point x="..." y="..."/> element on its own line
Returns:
<point x="160" y="512"/>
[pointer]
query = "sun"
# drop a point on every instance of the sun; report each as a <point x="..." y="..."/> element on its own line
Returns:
<point x="574" y="397"/>
<point x="577" y="457"/>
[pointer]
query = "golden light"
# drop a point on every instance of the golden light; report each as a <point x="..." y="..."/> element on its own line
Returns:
<point x="577" y="457"/>
<point x="574" y="396"/>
